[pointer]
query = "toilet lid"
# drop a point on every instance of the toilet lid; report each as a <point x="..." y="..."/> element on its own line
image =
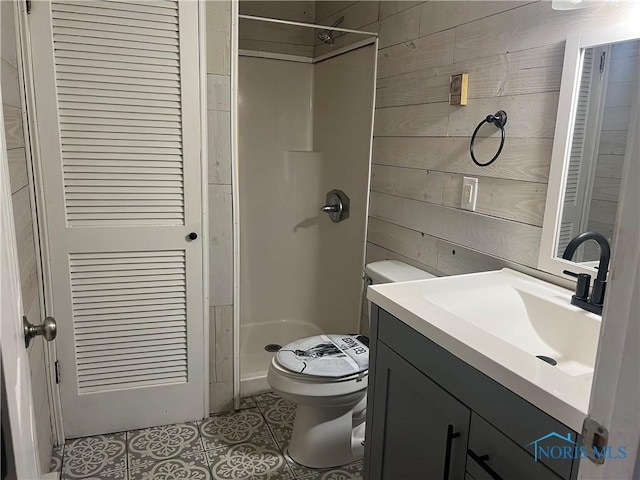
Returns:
<point x="326" y="355"/>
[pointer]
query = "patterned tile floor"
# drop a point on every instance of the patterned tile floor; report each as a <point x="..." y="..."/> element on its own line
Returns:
<point x="247" y="444"/>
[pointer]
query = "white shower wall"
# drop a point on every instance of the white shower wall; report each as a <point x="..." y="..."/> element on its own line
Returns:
<point x="304" y="129"/>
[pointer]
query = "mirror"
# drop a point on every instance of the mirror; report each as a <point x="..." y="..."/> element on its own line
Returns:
<point x="599" y="90"/>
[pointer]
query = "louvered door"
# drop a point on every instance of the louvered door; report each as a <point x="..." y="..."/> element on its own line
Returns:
<point x="575" y="210"/>
<point x="118" y="115"/>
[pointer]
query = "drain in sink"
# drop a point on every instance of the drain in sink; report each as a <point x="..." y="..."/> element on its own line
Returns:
<point x="272" y="347"/>
<point x="549" y="360"/>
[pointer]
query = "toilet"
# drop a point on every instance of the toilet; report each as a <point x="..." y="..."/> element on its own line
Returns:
<point x="326" y="376"/>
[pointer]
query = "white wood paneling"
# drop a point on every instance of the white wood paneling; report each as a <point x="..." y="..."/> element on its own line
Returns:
<point x="14" y="133"/>
<point x="219" y="134"/>
<point x="607" y="189"/>
<point x="521" y="159"/>
<point x="218" y="16"/>
<point x="17" y="169"/>
<point x="457" y="260"/>
<point x="613" y="143"/>
<point x="10" y="90"/>
<point x="219" y="92"/>
<point x="7" y="27"/>
<point x="220" y="248"/>
<point x="409" y="243"/>
<point x="438" y="16"/>
<point x="500" y="238"/>
<point x="325" y="9"/>
<point x="430" y="119"/>
<point x="514" y="73"/>
<point x="609" y="166"/>
<point x="223" y="343"/>
<point x="529" y="116"/>
<point x="531" y="26"/>
<point x="221" y="397"/>
<point x="218" y="51"/>
<point x="26" y="247"/>
<point x="423" y="185"/>
<point x="388" y="8"/>
<point x="400" y="27"/>
<point x="426" y="52"/>
<point x="297" y="11"/>
<point x="505" y="198"/>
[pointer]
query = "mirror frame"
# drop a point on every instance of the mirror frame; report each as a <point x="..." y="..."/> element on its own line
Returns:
<point x="571" y="72"/>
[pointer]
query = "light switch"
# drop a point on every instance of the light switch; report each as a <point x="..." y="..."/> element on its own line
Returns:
<point x="469" y="193"/>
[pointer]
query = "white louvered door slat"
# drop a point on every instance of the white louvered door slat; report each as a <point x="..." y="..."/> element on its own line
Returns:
<point x="117" y="101"/>
<point x="576" y="180"/>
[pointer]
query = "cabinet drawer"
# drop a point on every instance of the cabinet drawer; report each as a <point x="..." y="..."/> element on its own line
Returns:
<point x="493" y="456"/>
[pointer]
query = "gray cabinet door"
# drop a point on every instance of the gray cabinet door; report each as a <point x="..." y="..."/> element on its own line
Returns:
<point x="413" y="419"/>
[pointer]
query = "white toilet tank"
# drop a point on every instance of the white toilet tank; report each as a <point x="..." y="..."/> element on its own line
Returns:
<point x="391" y="271"/>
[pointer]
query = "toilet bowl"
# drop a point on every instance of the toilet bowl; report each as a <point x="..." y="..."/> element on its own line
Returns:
<point x="326" y="376"/>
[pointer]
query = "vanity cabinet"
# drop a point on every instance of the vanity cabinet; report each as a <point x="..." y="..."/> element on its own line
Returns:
<point x="432" y="416"/>
<point x="425" y="429"/>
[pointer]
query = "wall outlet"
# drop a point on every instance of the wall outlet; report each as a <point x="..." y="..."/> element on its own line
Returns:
<point x="469" y="193"/>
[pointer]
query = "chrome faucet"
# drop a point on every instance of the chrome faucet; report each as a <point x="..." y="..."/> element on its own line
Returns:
<point x="581" y="298"/>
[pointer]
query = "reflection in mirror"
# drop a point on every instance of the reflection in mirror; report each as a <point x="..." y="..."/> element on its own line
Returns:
<point x="608" y="80"/>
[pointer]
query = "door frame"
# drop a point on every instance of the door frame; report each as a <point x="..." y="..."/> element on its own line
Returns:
<point x="613" y="401"/>
<point x="22" y="420"/>
<point x="235" y="199"/>
<point x="34" y="159"/>
<point x="32" y="151"/>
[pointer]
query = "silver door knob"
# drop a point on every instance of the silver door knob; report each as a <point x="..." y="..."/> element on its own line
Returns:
<point x="48" y="329"/>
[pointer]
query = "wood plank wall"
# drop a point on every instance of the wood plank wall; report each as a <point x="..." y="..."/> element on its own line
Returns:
<point x="513" y="52"/>
<point x="220" y="206"/>
<point x="277" y="38"/>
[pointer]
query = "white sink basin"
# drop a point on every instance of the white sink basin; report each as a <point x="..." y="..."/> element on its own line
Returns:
<point x="501" y="322"/>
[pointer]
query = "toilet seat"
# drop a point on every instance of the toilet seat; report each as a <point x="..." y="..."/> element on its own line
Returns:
<point x="314" y="379"/>
<point x="325" y="356"/>
<point x="325" y="390"/>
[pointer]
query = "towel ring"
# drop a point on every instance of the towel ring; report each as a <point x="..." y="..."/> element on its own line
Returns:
<point x="499" y="120"/>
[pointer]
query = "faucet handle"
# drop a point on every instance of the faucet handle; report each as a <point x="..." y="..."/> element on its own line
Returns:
<point x="597" y="295"/>
<point x="582" y="285"/>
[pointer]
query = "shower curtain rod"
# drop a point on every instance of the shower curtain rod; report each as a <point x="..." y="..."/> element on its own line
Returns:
<point x="300" y="24"/>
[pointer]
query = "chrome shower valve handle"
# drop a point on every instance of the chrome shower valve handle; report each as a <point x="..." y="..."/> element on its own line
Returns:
<point x="337" y="206"/>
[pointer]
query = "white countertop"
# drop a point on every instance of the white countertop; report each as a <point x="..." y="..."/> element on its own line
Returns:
<point x="429" y="307"/>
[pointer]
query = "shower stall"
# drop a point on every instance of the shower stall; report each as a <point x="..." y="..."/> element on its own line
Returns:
<point x="305" y="120"/>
